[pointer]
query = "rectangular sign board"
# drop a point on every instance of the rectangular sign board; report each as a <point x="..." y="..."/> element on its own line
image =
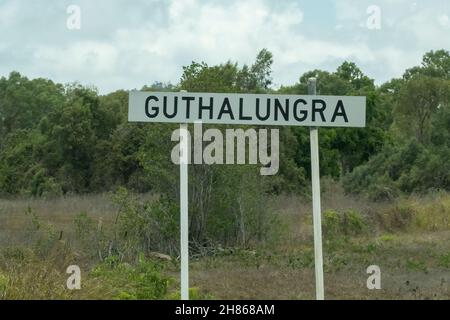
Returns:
<point x="257" y="109"/>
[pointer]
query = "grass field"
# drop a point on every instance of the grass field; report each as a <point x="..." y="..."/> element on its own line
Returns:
<point x="409" y="239"/>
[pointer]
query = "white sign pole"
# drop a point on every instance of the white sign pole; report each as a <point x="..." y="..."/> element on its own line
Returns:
<point x="184" y="216"/>
<point x="315" y="179"/>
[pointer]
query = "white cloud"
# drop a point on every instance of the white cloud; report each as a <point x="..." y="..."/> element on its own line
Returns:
<point x="408" y="30"/>
<point x="95" y="58"/>
<point x="124" y="45"/>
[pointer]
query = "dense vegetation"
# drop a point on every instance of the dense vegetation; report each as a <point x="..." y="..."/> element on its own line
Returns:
<point x="63" y="146"/>
<point x="67" y="139"/>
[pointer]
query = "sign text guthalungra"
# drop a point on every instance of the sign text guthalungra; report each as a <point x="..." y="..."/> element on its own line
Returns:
<point x="259" y="109"/>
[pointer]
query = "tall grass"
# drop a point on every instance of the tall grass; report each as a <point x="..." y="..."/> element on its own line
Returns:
<point x="40" y="238"/>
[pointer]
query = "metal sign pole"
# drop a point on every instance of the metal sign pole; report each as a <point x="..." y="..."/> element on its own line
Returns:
<point x="184" y="225"/>
<point x="315" y="180"/>
<point x="184" y="213"/>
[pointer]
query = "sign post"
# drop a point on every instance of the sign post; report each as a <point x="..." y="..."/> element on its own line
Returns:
<point x="315" y="182"/>
<point x="248" y="109"/>
<point x="184" y="211"/>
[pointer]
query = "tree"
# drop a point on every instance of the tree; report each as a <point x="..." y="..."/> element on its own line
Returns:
<point x="434" y="64"/>
<point x="226" y="202"/>
<point x="419" y="99"/>
<point x="349" y="72"/>
<point x="342" y="149"/>
<point x="261" y="70"/>
<point x="416" y="159"/>
<point x="23" y="102"/>
<point x="229" y="77"/>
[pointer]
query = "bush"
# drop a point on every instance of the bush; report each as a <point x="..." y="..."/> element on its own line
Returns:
<point x="143" y="281"/>
<point x="444" y="260"/>
<point x="145" y="226"/>
<point x="238" y="208"/>
<point x="42" y="236"/>
<point x="348" y="223"/>
<point x="424" y="213"/>
<point x="397" y="218"/>
<point x="353" y="223"/>
<point x="408" y="168"/>
<point x="26" y="275"/>
<point x="331" y="223"/>
<point x="434" y="214"/>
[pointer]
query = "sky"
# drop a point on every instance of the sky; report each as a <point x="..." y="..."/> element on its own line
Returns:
<point x="123" y="44"/>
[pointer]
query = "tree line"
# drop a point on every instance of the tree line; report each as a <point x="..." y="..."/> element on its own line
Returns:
<point x="59" y="139"/>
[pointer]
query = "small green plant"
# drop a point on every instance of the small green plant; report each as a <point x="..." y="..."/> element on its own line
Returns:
<point x="366" y="248"/>
<point x="83" y="225"/>
<point x="348" y="223"/>
<point x="303" y="260"/>
<point x="444" y="260"/>
<point x="353" y="223"/>
<point x="142" y="281"/>
<point x="387" y="237"/>
<point x="42" y="236"/>
<point x="416" y="265"/>
<point x="331" y="223"/>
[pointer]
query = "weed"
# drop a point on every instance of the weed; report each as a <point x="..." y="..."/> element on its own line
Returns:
<point x="347" y="223"/>
<point x="416" y="265"/>
<point x="142" y="281"/>
<point x="444" y="260"/>
<point x="387" y="238"/>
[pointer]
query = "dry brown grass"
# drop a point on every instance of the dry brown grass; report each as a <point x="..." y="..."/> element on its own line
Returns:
<point x="409" y="265"/>
<point x="412" y="256"/>
<point x="59" y="212"/>
<point x="409" y="257"/>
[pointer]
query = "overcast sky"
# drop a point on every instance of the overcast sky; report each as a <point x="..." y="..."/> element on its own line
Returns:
<point x="123" y="44"/>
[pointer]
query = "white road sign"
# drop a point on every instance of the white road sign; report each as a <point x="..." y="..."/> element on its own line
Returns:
<point x="262" y="109"/>
<point x="259" y="109"/>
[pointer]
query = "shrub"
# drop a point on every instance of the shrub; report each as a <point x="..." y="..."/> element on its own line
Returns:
<point x="406" y="168"/>
<point x="331" y="223"/>
<point x="399" y="217"/>
<point x="145" y="226"/>
<point x="382" y="188"/>
<point x="434" y="214"/>
<point x="348" y="223"/>
<point x="444" y="260"/>
<point x="353" y="223"/>
<point x="143" y="281"/>
<point x="42" y="236"/>
<point x="387" y="237"/>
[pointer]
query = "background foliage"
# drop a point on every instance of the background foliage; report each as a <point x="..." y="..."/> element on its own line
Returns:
<point x="67" y="139"/>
